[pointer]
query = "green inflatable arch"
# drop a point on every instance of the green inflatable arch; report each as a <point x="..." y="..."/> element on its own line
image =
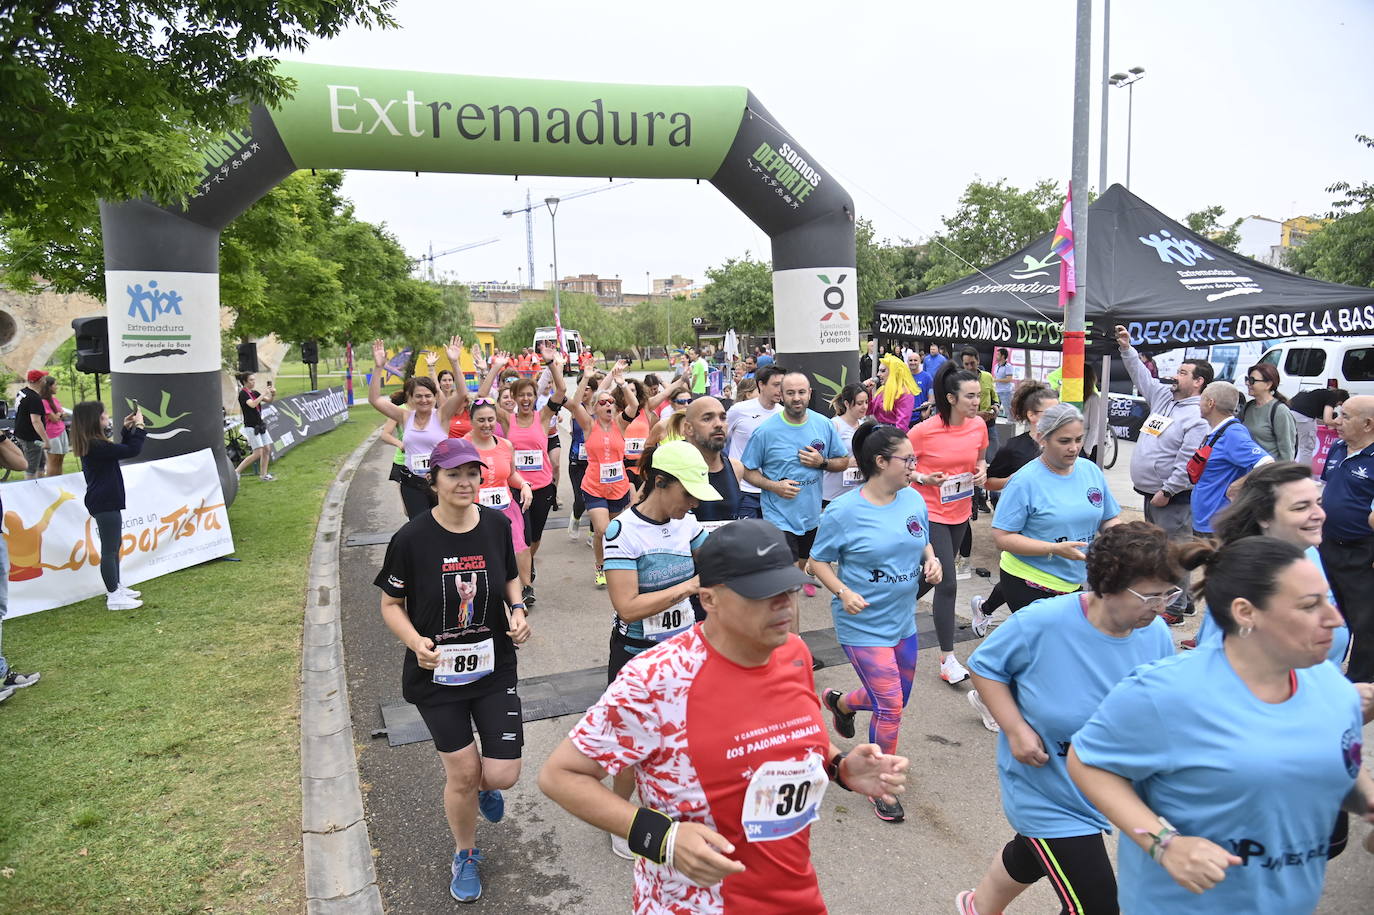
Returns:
<point x="162" y="278"/>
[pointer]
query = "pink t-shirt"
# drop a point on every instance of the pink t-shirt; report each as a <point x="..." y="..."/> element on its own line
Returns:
<point x="955" y="450"/>
<point x="54" y="427"/>
<point x="531" y="445"/>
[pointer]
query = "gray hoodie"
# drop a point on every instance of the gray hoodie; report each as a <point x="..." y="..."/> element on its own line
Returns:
<point x="1161" y="461"/>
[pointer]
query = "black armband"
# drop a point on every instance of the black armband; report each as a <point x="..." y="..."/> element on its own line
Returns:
<point x="627" y="417"/>
<point x="649" y="834"/>
<point x="556" y="405"/>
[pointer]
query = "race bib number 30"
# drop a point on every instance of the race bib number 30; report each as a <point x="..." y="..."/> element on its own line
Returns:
<point x="1156" y="423"/>
<point x="529" y="460"/>
<point x="959" y="486"/>
<point x="667" y="623"/>
<point x="463" y="664"/>
<point x="783" y="798"/>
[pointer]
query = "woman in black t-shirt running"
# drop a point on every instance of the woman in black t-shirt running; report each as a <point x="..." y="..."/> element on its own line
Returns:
<point x="448" y="577"/>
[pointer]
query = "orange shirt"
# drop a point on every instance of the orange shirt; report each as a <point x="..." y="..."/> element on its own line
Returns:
<point x="606" y="463"/>
<point x="953" y="449"/>
<point x="635" y="434"/>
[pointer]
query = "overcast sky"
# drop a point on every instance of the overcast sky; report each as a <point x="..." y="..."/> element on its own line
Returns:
<point x="1251" y="104"/>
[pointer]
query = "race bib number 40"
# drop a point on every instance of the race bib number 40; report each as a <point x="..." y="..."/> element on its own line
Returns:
<point x="783" y="798"/>
<point x="667" y="623"/>
<point x="463" y="664"/>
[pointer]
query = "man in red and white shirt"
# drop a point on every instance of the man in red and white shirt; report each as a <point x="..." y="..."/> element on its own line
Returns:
<point x="730" y="753"/>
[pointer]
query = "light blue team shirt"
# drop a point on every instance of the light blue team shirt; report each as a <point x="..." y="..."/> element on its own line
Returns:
<point x="773" y="449"/>
<point x="1209" y="634"/>
<point x="1059" y="666"/>
<point x="1233" y="455"/>
<point x="1262" y="780"/>
<point x="1043" y="505"/>
<point x="878" y="549"/>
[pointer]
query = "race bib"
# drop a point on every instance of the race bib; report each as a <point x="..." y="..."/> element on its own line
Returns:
<point x="852" y="476"/>
<point x="711" y="526"/>
<point x="634" y="446"/>
<point x="665" y="624"/>
<point x="581" y="451"/>
<point x="959" y="486"/>
<point x="494" y="496"/>
<point x="613" y="472"/>
<point x="1156" y="424"/>
<point x="529" y="460"/>
<point x="463" y="664"/>
<point x="419" y="463"/>
<point x="783" y="798"/>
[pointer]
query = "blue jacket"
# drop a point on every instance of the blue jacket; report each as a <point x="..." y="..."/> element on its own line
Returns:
<point x="104" y="481"/>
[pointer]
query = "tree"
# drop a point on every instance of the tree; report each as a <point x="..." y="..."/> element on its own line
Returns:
<point x="876" y="267"/>
<point x="1207" y="223"/>
<point x="1342" y="251"/>
<point x="112" y="100"/>
<point x="740" y="295"/>
<point x="648" y="323"/>
<point x="991" y="222"/>
<point x="580" y="312"/>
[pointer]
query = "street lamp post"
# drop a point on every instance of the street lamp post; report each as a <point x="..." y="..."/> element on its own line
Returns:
<point x="552" y="204"/>
<point x="1128" y="79"/>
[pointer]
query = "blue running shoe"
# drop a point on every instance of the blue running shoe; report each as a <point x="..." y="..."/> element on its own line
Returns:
<point x="492" y="805"/>
<point x="467" y="883"/>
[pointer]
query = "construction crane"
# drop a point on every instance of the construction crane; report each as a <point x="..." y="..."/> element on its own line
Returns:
<point x="432" y="255"/>
<point x="529" y="208"/>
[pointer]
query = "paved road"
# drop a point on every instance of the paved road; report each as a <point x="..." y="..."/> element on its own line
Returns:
<point x="539" y="860"/>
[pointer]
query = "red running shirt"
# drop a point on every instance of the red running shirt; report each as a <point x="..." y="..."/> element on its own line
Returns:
<point x="699" y="731"/>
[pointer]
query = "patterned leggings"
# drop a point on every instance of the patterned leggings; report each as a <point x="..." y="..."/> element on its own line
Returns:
<point x="886" y="674"/>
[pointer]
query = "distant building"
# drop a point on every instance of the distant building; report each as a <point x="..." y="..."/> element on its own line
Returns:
<point x="674" y="285"/>
<point x="1267" y="240"/>
<point x="593" y="285"/>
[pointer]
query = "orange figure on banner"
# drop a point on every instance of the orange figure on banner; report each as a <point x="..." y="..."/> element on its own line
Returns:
<point x="26" y="543"/>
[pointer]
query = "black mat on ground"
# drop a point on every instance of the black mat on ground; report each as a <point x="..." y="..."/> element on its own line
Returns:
<point x="574" y="691"/>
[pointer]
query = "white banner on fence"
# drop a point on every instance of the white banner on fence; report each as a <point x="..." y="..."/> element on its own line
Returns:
<point x="175" y="519"/>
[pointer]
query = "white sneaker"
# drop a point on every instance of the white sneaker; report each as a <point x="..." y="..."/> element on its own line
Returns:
<point x="951" y="671"/>
<point x="622" y="847"/>
<point x="980" y="619"/>
<point x="962" y="572"/>
<point x="574" y="525"/>
<point x="129" y="592"/>
<point x="989" y="722"/>
<point x="115" y="600"/>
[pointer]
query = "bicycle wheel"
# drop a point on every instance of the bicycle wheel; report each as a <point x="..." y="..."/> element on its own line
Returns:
<point x="235" y="446"/>
<point x="1109" y="450"/>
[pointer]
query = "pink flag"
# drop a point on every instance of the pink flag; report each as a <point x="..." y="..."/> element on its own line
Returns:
<point x="1063" y="246"/>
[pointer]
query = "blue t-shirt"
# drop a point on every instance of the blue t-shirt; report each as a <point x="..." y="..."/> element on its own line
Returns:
<point x="1234" y="454"/>
<point x="877" y="562"/>
<point x="773" y="448"/>
<point x="1261" y="780"/>
<point x="1209" y="634"/>
<point x="1043" y="505"/>
<point x="1349" y="488"/>
<point x="1059" y="666"/>
<point x="931" y="364"/>
<point x="926" y="382"/>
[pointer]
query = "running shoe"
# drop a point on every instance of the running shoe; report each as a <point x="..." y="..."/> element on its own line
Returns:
<point x="267" y="478"/>
<point x="117" y="601"/>
<point x="574" y="526"/>
<point x="14" y="680"/>
<point x="962" y="571"/>
<point x="964" y="903"/>
<point x="492" y="805"/>
<point x="466" y="885"/>
<point x="621" y="847"/>
<point x="129" y="592"/>
<point x="989" y="722"/>
<point x="817" y="663"/>
<point x="1190" y="609"/>
<point x="1171" y="618"/>
<point x="527" y="595"/>
<point x="6" y="692"/>
<point x="951" y="671"/>
<point x="980" y="619"/>
<point x="601" y="578"/>
<point x="843" y="721"/>
<point x="888" y="813"/>
<point x="1188" y="644"/>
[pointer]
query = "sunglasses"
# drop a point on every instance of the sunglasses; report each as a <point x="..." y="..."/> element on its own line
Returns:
<point x="602" y="403"/>
<point x="682" y="401"/>
<point x="483" y="402"/>
<point x="1254" y="380"/>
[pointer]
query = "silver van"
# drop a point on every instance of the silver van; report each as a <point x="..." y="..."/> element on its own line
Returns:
<point x="1305" y="363"/>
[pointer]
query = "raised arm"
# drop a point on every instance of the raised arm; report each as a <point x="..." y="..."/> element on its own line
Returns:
<point x="454" y="351"/>
<point x="498" y="362"/>
<point x="379" y="401"/>
<point x="576" y="407"/>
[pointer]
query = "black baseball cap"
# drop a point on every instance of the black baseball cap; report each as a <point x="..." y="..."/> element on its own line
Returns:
<point x="750" y="557"/>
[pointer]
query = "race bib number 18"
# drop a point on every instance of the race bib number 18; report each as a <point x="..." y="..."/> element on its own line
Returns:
<point x="494" y="496"/>
<point x="783" y="798"/>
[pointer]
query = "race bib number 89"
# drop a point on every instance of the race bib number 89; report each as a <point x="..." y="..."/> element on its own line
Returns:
<point x="463" y="664"/>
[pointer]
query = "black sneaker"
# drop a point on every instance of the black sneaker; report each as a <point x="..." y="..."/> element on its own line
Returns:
<point x="527" y="595"/>
<point x="1171" y="619"/>
<point x="817" y="663"/>
<point x="844" y="723"/>
<point x="888" y="813"/>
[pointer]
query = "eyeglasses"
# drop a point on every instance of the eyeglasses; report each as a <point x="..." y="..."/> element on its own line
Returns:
<point x="1254" y="380"/>
<point x="909" y="460"/>
<point x="1157" y="600"/>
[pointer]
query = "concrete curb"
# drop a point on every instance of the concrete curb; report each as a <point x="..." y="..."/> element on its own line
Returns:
<point x="339" y="876"/>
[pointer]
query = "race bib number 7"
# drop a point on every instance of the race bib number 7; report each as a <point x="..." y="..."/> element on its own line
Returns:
<point x="783" y="798"/>
<point x="959" y="486"/>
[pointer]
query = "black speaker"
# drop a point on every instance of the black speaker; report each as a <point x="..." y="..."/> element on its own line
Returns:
<point x="248" y="357"/>
<point x="92" y="344"/>
<point x="310" y="352"/>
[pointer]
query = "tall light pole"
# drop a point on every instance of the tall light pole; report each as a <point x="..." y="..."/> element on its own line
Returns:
<point x="552" y="204"/>
<point x="1106" y="83"/>
<point x="1128" y="79"/>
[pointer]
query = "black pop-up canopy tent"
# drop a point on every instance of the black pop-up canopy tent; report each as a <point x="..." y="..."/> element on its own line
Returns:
<point x="1171" y="287"/>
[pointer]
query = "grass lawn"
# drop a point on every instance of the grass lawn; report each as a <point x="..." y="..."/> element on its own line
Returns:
<point x="156" y="766"/>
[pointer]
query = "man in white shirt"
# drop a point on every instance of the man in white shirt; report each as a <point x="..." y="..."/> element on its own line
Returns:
<point x="740" y="423"/>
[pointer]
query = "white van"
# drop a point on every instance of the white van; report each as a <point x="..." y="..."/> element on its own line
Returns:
<point x="1305" y="363"/>
<point x="571" y="339"/>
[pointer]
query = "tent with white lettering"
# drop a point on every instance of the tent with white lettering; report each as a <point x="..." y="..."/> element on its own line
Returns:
<point x="1171" y="287"/>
